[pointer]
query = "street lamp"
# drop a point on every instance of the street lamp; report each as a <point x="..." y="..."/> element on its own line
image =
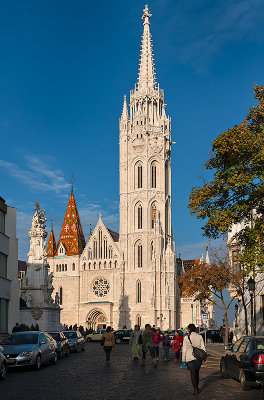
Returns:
<point x="192" y="312"/>
<point x="251" y="289"/>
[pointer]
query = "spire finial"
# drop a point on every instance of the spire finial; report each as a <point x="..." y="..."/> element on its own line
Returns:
<point x="146" y="77"/>
<point x="124" y="115"/>
<point x="72" y="180"/>
<point x="37" y="206"/>
<point x="51" y="224"/>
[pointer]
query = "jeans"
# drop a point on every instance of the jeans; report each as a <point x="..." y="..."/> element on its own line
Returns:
<point x="156" y="350"/>
<point x="107" y="350"/>
<point x="151" y="352"/>
<point x="177" y="354"/>
<point x="194" y="368"/>
<point x="166" y="350"/>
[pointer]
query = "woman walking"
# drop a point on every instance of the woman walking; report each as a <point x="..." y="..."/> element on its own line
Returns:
<point x="108" y="341"/>
<point x="176" y="345"/>
<point x="135" y="342"/>
<point x="147" y="345"/>
<point x="192" y="339"/>
<point x="156" y="343"/>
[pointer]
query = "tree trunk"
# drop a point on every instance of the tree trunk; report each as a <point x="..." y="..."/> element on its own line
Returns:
<point x="226" y="327"/>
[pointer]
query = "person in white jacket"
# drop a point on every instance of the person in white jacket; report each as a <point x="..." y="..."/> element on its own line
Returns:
<point x="192" y="339"/>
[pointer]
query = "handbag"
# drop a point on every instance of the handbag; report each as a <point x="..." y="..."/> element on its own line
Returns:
<point x="198" y="353"/>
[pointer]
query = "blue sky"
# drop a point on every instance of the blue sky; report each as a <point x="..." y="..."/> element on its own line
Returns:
<point x="64" y="69"/>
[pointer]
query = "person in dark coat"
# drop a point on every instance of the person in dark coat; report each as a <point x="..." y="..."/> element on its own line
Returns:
<point x="16" y="328"/>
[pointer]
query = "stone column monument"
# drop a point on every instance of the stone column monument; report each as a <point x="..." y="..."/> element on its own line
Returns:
<point x="37" y="286"/>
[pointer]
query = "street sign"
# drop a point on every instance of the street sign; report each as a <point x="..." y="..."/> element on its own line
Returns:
<point x="204" y="316"/>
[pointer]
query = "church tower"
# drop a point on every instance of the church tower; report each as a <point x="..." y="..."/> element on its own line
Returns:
<point x="148" y="278"/>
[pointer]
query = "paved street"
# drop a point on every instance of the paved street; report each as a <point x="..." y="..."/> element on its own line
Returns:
<point x="84" y="376"/>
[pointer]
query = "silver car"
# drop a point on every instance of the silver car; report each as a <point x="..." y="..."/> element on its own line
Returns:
<point x="3" y="366"/>
<point x="29" y="349"/>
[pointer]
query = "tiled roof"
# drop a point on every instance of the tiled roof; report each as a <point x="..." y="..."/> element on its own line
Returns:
<point x="114" y="235"/>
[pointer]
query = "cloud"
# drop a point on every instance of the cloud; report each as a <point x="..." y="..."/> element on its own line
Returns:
<point x="37" y="174"/>
<point x="200" y="31"/>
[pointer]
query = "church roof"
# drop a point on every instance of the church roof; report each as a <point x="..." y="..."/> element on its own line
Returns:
<point x="115" y="235"/>
<point x="51" y="248"/>
<point x="71" y="235"/>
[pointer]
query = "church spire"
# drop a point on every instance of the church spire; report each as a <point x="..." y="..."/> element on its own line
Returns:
<point x="124" y="115"/>
<point x="51" y="248"/>
<point x="146" y="77"/>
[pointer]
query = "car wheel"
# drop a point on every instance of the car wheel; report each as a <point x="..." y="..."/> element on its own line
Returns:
<point x="242" y="378"/>
<point x="224" y="373"/>
<point x="3" y="370"/>
<point x="38" y="363"/>
<point x="89" y="339"/>
<point x="55" y="358"/>
<point x="118" y="340"/>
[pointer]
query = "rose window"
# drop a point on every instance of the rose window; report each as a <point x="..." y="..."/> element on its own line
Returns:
<point x="101" y="287"/>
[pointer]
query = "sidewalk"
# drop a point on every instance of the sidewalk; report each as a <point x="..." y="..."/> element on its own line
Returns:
<point x="215" y="349"/>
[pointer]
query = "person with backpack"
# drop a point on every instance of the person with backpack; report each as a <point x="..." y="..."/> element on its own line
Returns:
<point x="108" y="342"/>
<point x="193" y="354"/>
<point x="135" y="341"/>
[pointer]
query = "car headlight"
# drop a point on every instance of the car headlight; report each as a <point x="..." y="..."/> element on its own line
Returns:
<point x="26" y="354"/>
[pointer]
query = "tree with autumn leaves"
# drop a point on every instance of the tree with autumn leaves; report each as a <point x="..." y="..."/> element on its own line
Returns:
<point x="233" y="194"/>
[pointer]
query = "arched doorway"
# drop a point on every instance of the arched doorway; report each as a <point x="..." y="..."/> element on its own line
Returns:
<point x="96" y="319"/>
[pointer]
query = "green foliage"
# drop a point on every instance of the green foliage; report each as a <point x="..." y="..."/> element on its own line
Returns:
<point x="237" y="187"/>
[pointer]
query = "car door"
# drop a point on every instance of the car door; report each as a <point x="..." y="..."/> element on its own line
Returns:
<point x="243" y="356"/>
<point x="231" y="358"/>
<point x="44" y="347"/>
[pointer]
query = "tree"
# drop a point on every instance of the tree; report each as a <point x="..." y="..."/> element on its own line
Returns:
<point x="209" y="281"/>
<point x="236" y="191"/>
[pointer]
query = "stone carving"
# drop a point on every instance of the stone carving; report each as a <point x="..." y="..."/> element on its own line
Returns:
<point x="36" y="313"/>
<point x="57" y="298"/>
<point x="101" y="287"/>
<point x="26" y="297"/>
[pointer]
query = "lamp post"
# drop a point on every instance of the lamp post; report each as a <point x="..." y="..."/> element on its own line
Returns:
<point x="192" y="312"/>
<point x="251" y="289"/>
<point x="236" y="309"/>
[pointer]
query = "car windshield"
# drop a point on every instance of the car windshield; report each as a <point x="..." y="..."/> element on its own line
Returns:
<point x="21" y="339"/>
<point x="260" y="344"/>
<point x="55" y="336"/>
<point x="70" y="335"/>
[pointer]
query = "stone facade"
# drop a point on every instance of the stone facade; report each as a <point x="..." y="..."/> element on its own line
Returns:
<point x="129" y="278"/>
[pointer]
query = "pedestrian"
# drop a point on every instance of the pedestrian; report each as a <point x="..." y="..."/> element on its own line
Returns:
<point x="176" y="345"/>
<point x="135" y="340"/>
<point x="147" y="345"/>
<point x="16" y="328"/>
<point x="156" y="343"/>
<point x="191" y="340"/>
<point x="166" y="346"/>
<point x="108" y="341"/>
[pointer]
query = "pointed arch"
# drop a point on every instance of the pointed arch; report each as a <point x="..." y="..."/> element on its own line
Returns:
<point x="153" y="214"/>
<point x="138" y="291"/>
<point x="154" y="168"/>
<point x="138" y="254"/>
<point x="61" y="294"/>
<point x="138" y="216"/>
<point x="138" y="320"/>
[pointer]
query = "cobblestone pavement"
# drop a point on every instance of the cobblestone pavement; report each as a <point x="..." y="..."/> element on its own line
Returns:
<point x="85" y="376"/>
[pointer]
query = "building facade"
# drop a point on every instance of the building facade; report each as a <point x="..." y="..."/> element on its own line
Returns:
<point x="9" y="285"/>
<point x="126" y="278"/>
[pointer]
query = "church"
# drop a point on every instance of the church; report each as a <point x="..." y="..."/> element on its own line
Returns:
<point x="126" y="278"/>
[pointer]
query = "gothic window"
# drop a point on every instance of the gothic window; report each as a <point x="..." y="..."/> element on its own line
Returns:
<point x="105" y="248"/>
<point x="115" y="264"/>
<point x="94" y="265"/>
<point x="57" y="268"/>
<point x="138" y="321"/>
<point x="138" y="255"/>
<point x="100" y="245"/>
<point x="89" y="265"/>
<point x="105" y="264"/>
<point x="101" y="287"/>
<point x="139" y="215"/>
<point x="99" y="265"/>
<point x="110" y="264"/>
<point x="62" y="267"/>
<point x="138" y="290"/>
<point x="153" y="215"/>
<point x="65" y="267"/>
<point x="60" y="294"/>
<point x="89" y="253"/>
<point x="110" y="252"/>
<point x="139" y="176"/>
<point x="84" y="265"/>
<point x="95" y="249"/>
<point x="73" y="267"/>
<point x="166" y="178"/>
<point x="153" y="175"/>
<point x="151" y="250"/>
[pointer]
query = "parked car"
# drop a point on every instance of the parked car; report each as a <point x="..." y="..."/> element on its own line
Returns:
<point x="212" y="336"/>
<point x="29" y="349"/>
<point x="244" y="360"/>
<point x="3" y="365"/>
<point x="95" y="336"/>
<point x="122" y="336"/>
<point x="76" y="341"/>
<point x="62" y="343"/>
